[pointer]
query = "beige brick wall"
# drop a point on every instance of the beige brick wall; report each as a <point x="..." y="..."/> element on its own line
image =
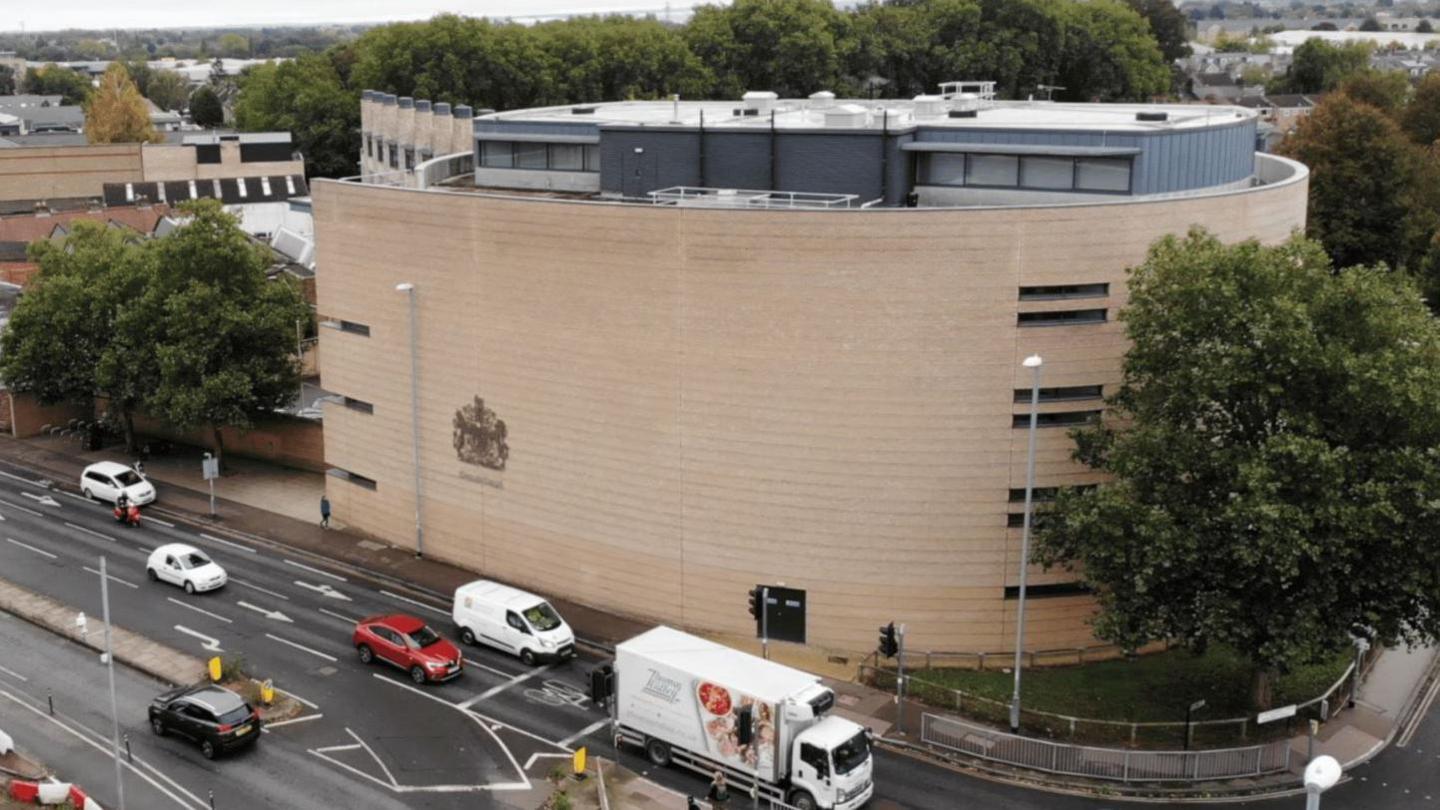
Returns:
<point x="165" y="162"/>
<point x="54" y="172"/>
<point x="701" y="400"/>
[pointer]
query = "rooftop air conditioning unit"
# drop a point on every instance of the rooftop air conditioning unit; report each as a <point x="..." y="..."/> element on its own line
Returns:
<point x="822" y="100"/>
<point x="967" y="105"/>
<point x="847" y="115"/>
<point x="929" y="106"/>
<point x="761" y="101"/>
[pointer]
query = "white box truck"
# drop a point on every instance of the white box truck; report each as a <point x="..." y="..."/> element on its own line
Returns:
<point x="708" y="707"/>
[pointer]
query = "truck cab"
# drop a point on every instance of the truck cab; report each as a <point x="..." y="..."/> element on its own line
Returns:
<point x="830" y="766"/>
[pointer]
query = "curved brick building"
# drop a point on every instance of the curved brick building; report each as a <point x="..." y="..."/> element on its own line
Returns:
<point x="667" y="351"/>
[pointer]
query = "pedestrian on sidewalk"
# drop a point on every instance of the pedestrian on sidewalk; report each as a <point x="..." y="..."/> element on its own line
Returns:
<point x="324" y="512"/>
<point x="719" y="793"/>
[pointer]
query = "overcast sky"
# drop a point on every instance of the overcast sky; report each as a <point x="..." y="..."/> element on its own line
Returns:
<point x="36" y="15"/>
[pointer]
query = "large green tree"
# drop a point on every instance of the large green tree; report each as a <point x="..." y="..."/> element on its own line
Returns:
<point x="116" y="113"/>
<point x="7" y="80"/>
<point x="54" y="80"/>
<point x="205" y="107"/>
<point x="1274" y="454"/>
<point x="1169" y="25"/>
<point x="792" y="47"/>
<point x="222" y="334"/>
<point x="306" y="98"/>
<point x="1421" y="117"/>
<point x="1364" y="185"/>
<point x="1318" y="66"/>
<point x="64" y="328"/>
<point x="168" y="89"/>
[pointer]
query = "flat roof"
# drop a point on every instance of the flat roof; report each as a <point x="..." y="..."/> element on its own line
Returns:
<point x="894" y="114"/>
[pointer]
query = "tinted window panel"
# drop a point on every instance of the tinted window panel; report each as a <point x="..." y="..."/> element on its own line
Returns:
<point x="944" y="170"/>
<point x="1048" y="172"/>
<point x="567" y="157"/>
<point x="1102" y="174"/>
<point x="530" y="156"/>
<point x="496" y="154"/>
<point x="993" y="170"/>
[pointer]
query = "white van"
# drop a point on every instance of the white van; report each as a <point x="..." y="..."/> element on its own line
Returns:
<point x="512" y="620"/>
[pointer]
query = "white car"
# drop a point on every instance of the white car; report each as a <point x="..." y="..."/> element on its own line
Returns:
<point x="186" y="566"/>
<point x="105" y="480"/>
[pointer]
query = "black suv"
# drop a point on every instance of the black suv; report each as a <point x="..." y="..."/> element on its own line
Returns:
<point x="213" y="716"/>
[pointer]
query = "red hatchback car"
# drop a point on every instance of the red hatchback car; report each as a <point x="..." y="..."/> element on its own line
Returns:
<point x="409" y="644"/>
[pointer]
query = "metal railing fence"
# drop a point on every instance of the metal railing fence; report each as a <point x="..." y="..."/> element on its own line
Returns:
<point x="1119" y="764"/>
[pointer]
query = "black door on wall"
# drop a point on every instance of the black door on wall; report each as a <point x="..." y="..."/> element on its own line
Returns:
<point x="640" y="174"/>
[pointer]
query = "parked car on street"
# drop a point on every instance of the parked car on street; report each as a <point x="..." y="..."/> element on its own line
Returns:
<point x="212" y="716"/>
<point x="512" y="620"/>
<point x="406" y="642"/>
<point x="186" y="566"/>
<point x="105" y="480"/>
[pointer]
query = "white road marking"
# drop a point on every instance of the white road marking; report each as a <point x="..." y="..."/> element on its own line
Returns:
<point x="377" y="759"/>
<point x="215" y="539"/>
<point x="585" y="732"/>
<point x="32" y="548"/>
<point x="418" y="604"/>
<point x="189" y="606"/>
<point x="297" y="697"/>
<point x="495" y="690"/>
<point x="12" y="673"/>
<point x="533" y="757"/>
<point x="111" y="577"/>
<point x="291" y="721"/>
<point x="44" y="500"/>
<point x="41" y="484"/>
<point x="335" y="577"/>
<point x="342" y="617"/>
<point x="81" y="498"/>
<point x="106" y="751"/>
<point x="92" y="532"/>
<point x="167" y="524"/>
<point x="21" y="508"/>
<point x="302" y="647"/>
<point x="242" y="583"/>
<point x="269" y="614"/>
<point x="494" y="723"/>
<point x="1419" y="715"/>
<point x="206" y="642"/>
<point x="502" y="673"/>
<point x="324" y="590"/>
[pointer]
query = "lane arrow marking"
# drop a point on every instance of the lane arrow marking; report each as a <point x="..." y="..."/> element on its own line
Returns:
<point x="206" y="642"/>
<point x="45" y="500"/>
<point x="269" y="614"/>
<point x="324" y="590"/>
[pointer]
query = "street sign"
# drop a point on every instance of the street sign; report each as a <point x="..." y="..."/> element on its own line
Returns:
<point x="1277" y="714"/>
<point x="210" y="467"/>
<point x="1197" y="705"/>
<point x="785" y="609"/>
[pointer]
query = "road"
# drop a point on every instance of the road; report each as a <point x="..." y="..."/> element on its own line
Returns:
<point x="370" y="738"/>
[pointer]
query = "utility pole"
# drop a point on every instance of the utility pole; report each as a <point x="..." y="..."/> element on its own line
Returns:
<point x="900" y="682"/>
<point x="1031" y="362"/>
<point x="765" y="622"/>
<point x="409" y="290"/>
<point x="110" y="665"/>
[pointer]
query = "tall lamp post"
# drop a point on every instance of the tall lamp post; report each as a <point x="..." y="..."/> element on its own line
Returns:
<point x="1031" y="362"/>
<point x="409" y="290"/>
<point x="1320" y="775"/>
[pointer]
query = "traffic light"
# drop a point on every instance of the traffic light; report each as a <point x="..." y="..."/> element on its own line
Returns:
<point x="744" y="724"/>
<point x="755" y="604"/>
<point x="888" y="644"/>
<point x="602" y="684"/>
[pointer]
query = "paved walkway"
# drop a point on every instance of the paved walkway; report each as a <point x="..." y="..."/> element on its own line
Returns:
<point x="282" y="505"/>
<point x="151" y="657"/>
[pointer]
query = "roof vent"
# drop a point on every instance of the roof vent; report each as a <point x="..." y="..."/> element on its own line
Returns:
<point x="761" y="101"/>
<point x="585" y="109"/>
<point x="847" y="115"/>
<point x="822" y="100"/>
<point x="967" y="105"/>
<point x="1152" y="116"/>
<point x="929" y="105"/>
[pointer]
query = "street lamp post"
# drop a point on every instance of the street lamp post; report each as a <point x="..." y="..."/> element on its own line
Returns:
<point x="409" y="290"/>
<point x="110" y="669"/>
<point x="1320" y="775"/>
<point x="1031" y="362"/>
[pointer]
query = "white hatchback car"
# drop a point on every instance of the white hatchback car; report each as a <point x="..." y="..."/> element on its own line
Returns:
<point x="107" y="479"/>
<point x="186" y="566"/>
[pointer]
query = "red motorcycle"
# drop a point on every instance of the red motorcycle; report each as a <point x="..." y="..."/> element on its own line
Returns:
<point x="129" y="514"/>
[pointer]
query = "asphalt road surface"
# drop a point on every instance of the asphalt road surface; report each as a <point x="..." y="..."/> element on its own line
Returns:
<point x="368" y="737"/>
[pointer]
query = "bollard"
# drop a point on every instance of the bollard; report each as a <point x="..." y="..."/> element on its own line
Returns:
<point x="212" y="799"/>
<point x="128" y="756"/>
<point x="50" y="700"/>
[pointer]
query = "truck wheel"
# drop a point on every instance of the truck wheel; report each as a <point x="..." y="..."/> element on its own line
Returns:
<point x="467" y="637"/>
<point x="801" y="800"/>
<point x="658" y="752"/>
<point x="527" y="657"/>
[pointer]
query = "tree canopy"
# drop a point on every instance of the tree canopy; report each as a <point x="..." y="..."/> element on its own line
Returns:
<point x="205" y="107"/>
<point x="116" y="112"/>
<point x="168" y="89"/>
<point x="1273" y="485"/>
<point x="53" y="80"/>
<point x="306" y="98"/>
<point x="185" y="327"/>
<point x="1318" y="66"/>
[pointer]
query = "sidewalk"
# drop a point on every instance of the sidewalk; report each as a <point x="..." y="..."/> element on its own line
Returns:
<point x="282" y="505"/>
